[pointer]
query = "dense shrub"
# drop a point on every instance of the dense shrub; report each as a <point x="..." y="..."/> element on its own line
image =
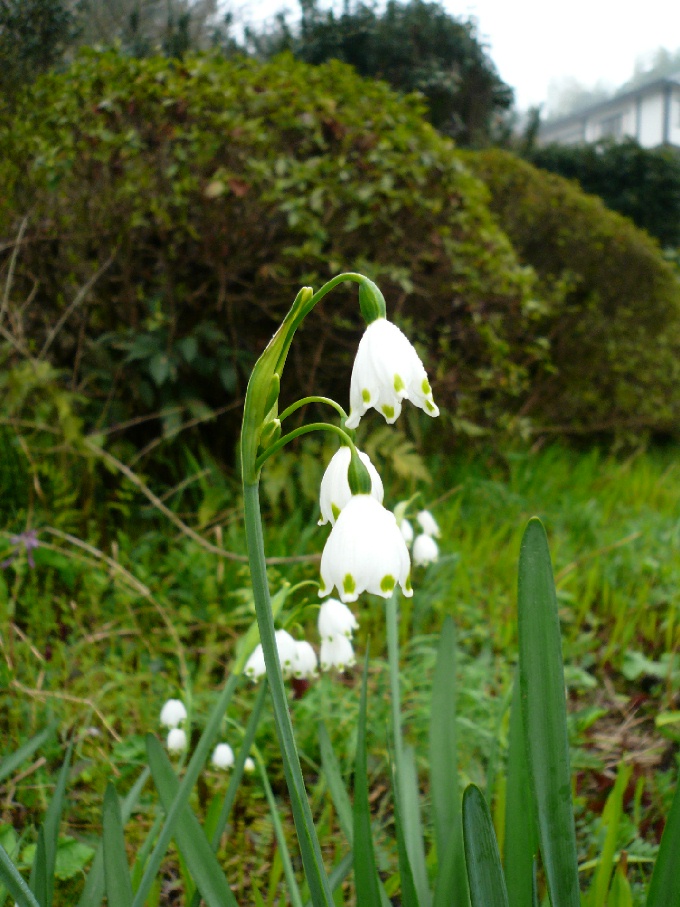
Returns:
<point x="615" y="337"/>
<point x="642" y="183"/>
<point x="221" y="187"/>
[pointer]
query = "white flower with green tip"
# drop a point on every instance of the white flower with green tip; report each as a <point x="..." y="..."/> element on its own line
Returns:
<point x="336" y="619"/>
<point x="335" y="491"/>
<point x="337" y="652"/>
<point x="305" y="662"/>
<point x="173" y="713"/>
<point x="425" y="550"/>
<point x="286" y="648"/>
<point x="223" y="756"/>
<point x="386" y="371"/>
<point x="365" y="552"/>
<point x="428" y="523"/>
<point x="406" y="530"/>
<point x="177" y="740"/>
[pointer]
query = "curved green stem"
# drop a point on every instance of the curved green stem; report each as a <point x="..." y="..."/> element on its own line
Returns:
<point x="319" y="886"/>
<point x="305" y="400"/>
<point x="303" y="430"/>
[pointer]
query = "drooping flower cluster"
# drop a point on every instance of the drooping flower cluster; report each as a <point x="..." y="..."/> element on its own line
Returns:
<point x="296" y="657"/>
<point x="172" y="715"/>
<point x="336" y="625"/>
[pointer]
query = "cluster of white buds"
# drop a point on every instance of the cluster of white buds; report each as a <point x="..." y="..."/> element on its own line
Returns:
<point x="336" y="625"/>
<point x="172" y="715"/>
<point x="296" y="657"/>
<point x="425" y="549"/>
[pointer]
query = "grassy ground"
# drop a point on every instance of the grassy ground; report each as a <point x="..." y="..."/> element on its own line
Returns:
<point x="129" y="611"/>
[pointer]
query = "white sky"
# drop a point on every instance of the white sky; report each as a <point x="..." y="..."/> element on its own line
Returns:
<point x="535" y="42"/>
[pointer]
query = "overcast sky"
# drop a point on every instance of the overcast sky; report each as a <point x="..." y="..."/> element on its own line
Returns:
<point x="534" y="42"/>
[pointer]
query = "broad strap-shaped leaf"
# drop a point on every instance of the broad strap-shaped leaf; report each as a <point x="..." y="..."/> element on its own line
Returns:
<point x="544" y="716"/>
<point x="365" y="871"/>
<point x="14" y="882"/>
<point x="521" y="842"/>
<point x="409" y="898"/>
<point x="413" y="826"/>
<point x="664" y="889"/>
<point x="611" y="817"/>
<point x="485" y="875"/>
<point x="39" y="870"/>
<point x="116" y="869"/>
<point x="451" y="885"/>
<point x="50" y="829"/>
<point x="189" y="836"/>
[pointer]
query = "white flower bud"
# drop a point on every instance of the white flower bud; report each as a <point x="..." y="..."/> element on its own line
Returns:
<point x="305" y="663"/>
<point x="386" y="371"/>
<point x="223" y="756"/>
<point x="365" y="552"/>
<point x="425" y="550"/>
<point x="249" y="765"/>
<point x="336" y="652"/>
<point x="428" y="523"/>
<point x="336" y="619"/>
<point x="406" y="530"/>
<point x="287" y="649"/>
<point x="335" y="491"/>
<point x="177" y="740"/>
<point x="255" y="666"/>
<point x="173" y="713"/>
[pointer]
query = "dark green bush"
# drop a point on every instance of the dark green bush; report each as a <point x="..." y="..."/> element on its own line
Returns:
<point x="221" y="187"/>
<point x="615" y="336"/>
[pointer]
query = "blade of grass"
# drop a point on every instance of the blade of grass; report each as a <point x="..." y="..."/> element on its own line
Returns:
<point x="50" y="827"/>
<point x="485" y="875"/>
<point x="451" y="883"/>
<point x="413" y="826"/>
<point x="116" y="869"/>
<point x="15" y="883"/>
<point x="664" y="889"/>
<point x="39" y="870"/>
<point x="611" y="817"/>
<point x="544" y="716"/>
<point x="521" y="843"/>
<point x="293" y="890"/>
<point x="336" y="787"/>
<point x="409" y="898"/>
<point x="365" y="872"/>
<point x="12" y="762"/>
<point x="188" y="834"/>
<point x="193" y="770"/>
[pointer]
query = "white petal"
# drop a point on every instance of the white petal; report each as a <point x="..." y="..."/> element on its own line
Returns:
<point x="173" y="713"/>
<point x="223" y="756"/>
<point x="305" y="663"/>
<point x="336" y="619"/>
<point x="337" y="653"/>
<point x="386" y="371"/>
<point x="425" y="550"/>
<point x="255" y="666"/>
<point x="406" y="530"/>
<point x="177" y="740"/>
<point x="428" y="523"/>
<point x="365" y="552"/>
<point x="335" y="491"/>
<point x="286" y="648"/>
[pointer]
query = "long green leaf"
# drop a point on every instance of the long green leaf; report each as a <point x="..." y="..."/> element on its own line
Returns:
<point x="544" y="716"/>
<point x="95" y="884"/>
<point x="293" y="891"/>
<point x="39" y="869"/>
<point x="451" y="885"/>
<point x="50" y="828"/>
<point x="413" y="826"/>
<point x="15" y="883"/>
<point x="336" y="787"/>
<point x="16" y="759"/>
<point x="485" y="875"/>
<point x="611" y="817"/>
<point x="116" y="869"/>
<point x="193" y="770"/>
<point x="189" y="836"/>
<point x="521" y="842"/>
<point x="409" y="898"/>
<point x="664" y="889"/>
<point x="365" y="872"/>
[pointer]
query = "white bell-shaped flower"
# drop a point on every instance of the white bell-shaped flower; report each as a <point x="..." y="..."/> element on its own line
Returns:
<point x="335" y="491"/>
<point x="428" y="523"/>
<point x="249" y="765"/>
<point x="386" y="371"/>
<point x="336" y="652"/>
<point x="223" y="756"/>
<point x="336" y="619"/>
<point x="425" y="550"/>
<point x="305" y="663"/>
<point x="173" y="713"/>
<point x="287" y="649"/>
<point x="255" y="666"/>
<point x="406" y="530"/>
<point x="365" y="552"/>
<point x="177" y="740"/>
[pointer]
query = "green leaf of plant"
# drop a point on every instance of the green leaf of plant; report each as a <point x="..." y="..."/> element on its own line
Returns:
<point x="39" y="870"/>
<point x="15" y="883"/>
<point x="116" y="869"/>
<point x="611" y="817"/>
<point x="413" y="827"/>
<point x="485" y="875"/>
<point x="336" y="787"/>
<point x="409" y="897"/>
<point x="664" y="889"/>
<point x="620" y="894"/>
<point x="451" y="884"/>
<point x="521" y="842"/>
<point x="365" y="872"/>
<point x="50" y="829"/>
<point x="544" y="716"/>
<point x="16" y="759"/>
<point x="189" y="836"/>
<point x="293" y="893"/>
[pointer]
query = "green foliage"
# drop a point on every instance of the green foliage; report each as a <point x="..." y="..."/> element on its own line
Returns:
<point x="219" y="186"/>
<point x="614" y="325"/>
<point x="641" y="183"/>
<point x="414" y="46"/>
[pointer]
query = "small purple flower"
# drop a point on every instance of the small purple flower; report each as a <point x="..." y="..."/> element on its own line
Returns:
<point x="29" y="539"/>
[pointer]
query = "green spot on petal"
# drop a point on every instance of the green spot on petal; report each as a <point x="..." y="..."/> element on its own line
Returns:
<point x="429" y="406"/>
<point x="388" y="411"/>
<point x="387" y="583"/>
<point x="407" y="585"/>
<point x="348" y="584"/>
<point x="399" y="383"/>
<point x="335" y="510"/>
<point x="425" y="387"/>
<point x="366" y="396"/>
